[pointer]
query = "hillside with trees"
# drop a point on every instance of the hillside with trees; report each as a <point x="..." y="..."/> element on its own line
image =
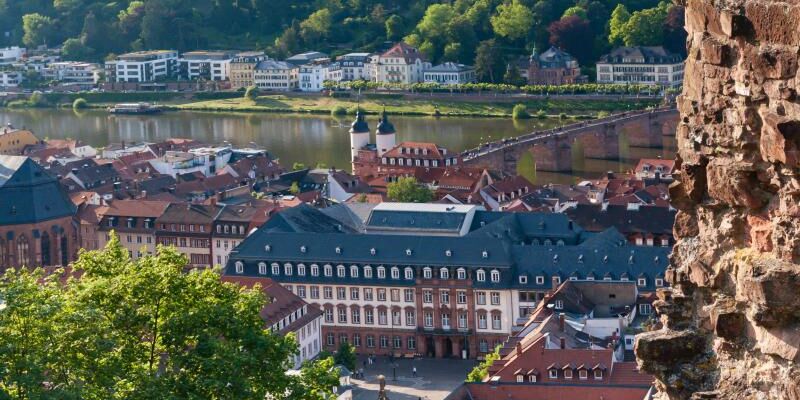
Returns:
<point x="486" y="33"/>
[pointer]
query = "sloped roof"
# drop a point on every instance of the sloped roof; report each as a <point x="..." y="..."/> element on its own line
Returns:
<point x="405" y="51"/>
<point x="29" y="194"/>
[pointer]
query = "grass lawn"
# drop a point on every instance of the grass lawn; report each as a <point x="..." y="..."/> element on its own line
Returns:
<point x="417" y="106"/>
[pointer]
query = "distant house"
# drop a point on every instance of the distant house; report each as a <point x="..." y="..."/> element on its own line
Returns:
<point x="242" y="68"/>
<point x="69" y="73"/>
<point x="307" y="58"/>
<point x="312" y="76"/>
<point x="401" y="64"/>
<point x="553" y="67"/>
<point x="13" y="141"/>
<point x="11" y="78"/>
<point x="208" y="65"/>
<point x="650" y="65"/>
<point x="143" y="66"/>
<point x="10" y="55"/>
<point x="276" y="75"/>
<point x="449" y="73"/>
<point x="355" y="66"/>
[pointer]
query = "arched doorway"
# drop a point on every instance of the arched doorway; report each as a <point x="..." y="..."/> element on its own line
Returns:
<point x="46" y="250"/>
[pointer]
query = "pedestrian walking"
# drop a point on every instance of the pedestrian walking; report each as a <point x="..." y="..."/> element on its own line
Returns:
<point x="414" y="371"/>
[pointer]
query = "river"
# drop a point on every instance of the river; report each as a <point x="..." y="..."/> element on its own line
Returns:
<point x="309" y="139"/>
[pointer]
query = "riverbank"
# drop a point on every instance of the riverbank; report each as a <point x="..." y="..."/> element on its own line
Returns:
<point x="457" y="106"/>
<point x="493" y="105"/>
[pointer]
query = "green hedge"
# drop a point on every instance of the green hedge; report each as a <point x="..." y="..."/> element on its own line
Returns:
<point x="110" y="97"/>
<point x="391" y="96"/>
<point x="217" y="95"/>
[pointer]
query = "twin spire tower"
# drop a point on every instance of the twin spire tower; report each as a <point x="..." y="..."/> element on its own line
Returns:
<point x="385" y="135"/>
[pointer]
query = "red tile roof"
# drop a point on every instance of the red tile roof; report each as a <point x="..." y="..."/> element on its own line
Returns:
<point x="486" y="391"/>
<point x="282" y="302"/>
<point x="402" y="50"/>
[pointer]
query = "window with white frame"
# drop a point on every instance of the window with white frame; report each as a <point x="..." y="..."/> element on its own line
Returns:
<point x="354" y="293"/>
<point x="328" y="269"/>
<point x="480" y="276"/>
<point x="495" y="296"/>
<point x="381" y="273"/>
<point x="659" y="282"/>
<point x="482" y="321"/>
<point x="553" y="373"/>
<point x="540" y="280"/>
<point x="314" y="270"/>
<point x="327" y="292"/>
<point x="287" y="269"/>
<point x="382" y="317"/>
<point x="427" y="273"/>
<point x="461" y="297"/>
<point x="411" y="319"/>
<point x="520" y="378"/>
<point x="239" y="267"/>
<point x="276" y="269"/>
<point x="354" y="271"/>
<point x="368" y="316"/>
<point x="496" y="322"/>
<point x="462" y="320"/>
<point x="368" y="272"/>
<point x="444" y="297"/>
<point x="444" y="273"/>
<point x="340" y="271"/>
<point x="641" y="282"/>
<point x="461" y="273"/>
<point x="409" y="295"/>
<point x="523" y="279"/>
<point x="342" y="315"/>
<point x="495" y="276"/>
<point x="381" y="294"/>
<point x="262" y="268"/>
<point x="598" y="374"/>
<point x="368" y="294"/>
<point x="645" y="309"/>
<point x="428" y="319"/>
<point x="395" y="273"/>
<point x="568" y="373"/>
<point x="409" y="272"/>
<point x="301" y="269"/>
<point x="329" y="315"/>
<point x="559" y="304"/>
<point x="427" y="296"/>
<point x="583" y="374"/>
<point x="480" y="298"/>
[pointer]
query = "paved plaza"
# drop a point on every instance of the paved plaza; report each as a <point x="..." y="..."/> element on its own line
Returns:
<point x="435" y="379"/>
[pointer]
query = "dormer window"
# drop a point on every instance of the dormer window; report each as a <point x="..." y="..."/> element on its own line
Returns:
<point x="583" y="374"/>
<point x="381" y="273"/>
<point x="340" y="271"/>
<point x="540" y="280"/>
<point x="409" y="273"/>
<point x="495" y="276"/>
<point x="480" y="276"/>
<point x="659" y="282"/>
<point x="276" y="269"/>
<point x="448" y="253"/>
<point x="523" y="280"/>
<point x="239" y="267"/>
<point x="641" y="282"/>
<point x="485" y="254"/>
<point x="372" y="251"/>
<point x="354" y="271"/>
<point x="444" y="273"/>
<point x="427" y="273"/>
<point x="287" y="269"/>
<point x="598" y="374"/>
<point x="552" y="373"/>
<point x="395" y="273"/>
<point x="567" y="373"/>
<point x="338" y="250"/>
<point x="267" y="248"/>
<point x="580" y="259"/>
<point x="408" y="252"/>
<point x="368" y="272"/>
<point x="558" y="304"/>
<point x="461" y="273"/>
<point x="262" y="268"/>
<point x="302" y="249"/>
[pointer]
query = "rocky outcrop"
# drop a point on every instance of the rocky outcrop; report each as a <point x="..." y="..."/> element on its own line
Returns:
<point x="731" y="322"/>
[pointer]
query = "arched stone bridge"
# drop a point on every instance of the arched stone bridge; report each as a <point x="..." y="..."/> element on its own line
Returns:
<point x="552" y="149"/>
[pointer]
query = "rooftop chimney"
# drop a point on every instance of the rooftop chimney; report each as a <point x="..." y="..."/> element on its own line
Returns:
<point x="519" y="349"/>
<point x="563" y="343"/>
<point x="561" y="322"/>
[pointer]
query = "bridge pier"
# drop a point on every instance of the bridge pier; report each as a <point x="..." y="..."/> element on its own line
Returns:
<point x="553" y="155"/>
<point x="601" y="144"/>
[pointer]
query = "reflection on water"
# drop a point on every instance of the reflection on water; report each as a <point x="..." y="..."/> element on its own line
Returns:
<point x="309" y="139"/>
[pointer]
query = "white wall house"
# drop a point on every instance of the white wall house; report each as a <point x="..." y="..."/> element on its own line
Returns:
<point x="311" y="77"/>
<point x="355" y="66"/>
<point x="10" y="55"/>
<point x="641" y="65"/>
<point x="11" y="78"/>
<point x="276" y="75"/>
<point x="449" y="73"/>
<point x="143" y="66"/>
<point x="401" y="64"/>
<point x="208" y="65"/>
<point x="72" y="73"/>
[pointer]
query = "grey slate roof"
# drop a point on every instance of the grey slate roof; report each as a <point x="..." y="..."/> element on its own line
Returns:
<point x="642" y="55"/>
<point x="450" y="67"/>
<point x="272" y="64"/>
<point x="29" y="194"/>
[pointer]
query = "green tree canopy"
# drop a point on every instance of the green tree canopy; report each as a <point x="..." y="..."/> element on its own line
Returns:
<point x="346" y="356"/>
<point x="119" y="328"/>
<point x="481" y="371"/>
<point x="513" y="20"/>
<point x="38" y="29"/>
<point x="646" y="27"/>
<point x="408" y="190"/>
<point x="394" y="27"/>
<point x="317" y="26"/>
<point x="577" y="11"/>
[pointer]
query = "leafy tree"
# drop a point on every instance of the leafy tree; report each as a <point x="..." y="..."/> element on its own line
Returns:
<point x="512" y="76"/>
<point x="452" y="52"/>
<point x="619" y="18"/>
<point x="513" y="20"/>
<point x="394" y="28"/>
<point x="294" y="189"/>
<point x="38" y="29"/>
<point x="520" y="112"/>
<point x="73" y="49"/>
<point x="526" y="166"/>
<point x="317" y="26"/>
<point x="488" y="61"/>
<point x="646" y="27"/>
<point x="570" y="34"/>
<point x="577" y="11"/>
<point x="143" y="329"/>
<point x="346" y="356"/>
<point x="408" y="190"/>
<point x="481" y="371"/>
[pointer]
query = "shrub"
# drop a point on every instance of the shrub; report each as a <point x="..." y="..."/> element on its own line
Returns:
<point x="562" y="115"/>
<point x="79" y="104"/>
<point x="520" y="112"/>
<point x="603" y="114"/>
<point x="541" y="114"/>
<point x="338" y="110"/>
<point x="18" y="104"/>
<point x="251" y="93"/>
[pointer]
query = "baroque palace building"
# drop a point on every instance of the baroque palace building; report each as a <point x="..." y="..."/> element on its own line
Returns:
<point x="432" y="279"/>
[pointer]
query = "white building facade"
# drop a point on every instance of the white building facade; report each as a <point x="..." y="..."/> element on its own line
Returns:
<point x="208" y="65"/>
<point x="449" y="73"/>
<point x="401" y="64"/>
<point x="276" y="76"/>
<point x="143" y="66"/>
<point x="641" y="65"/>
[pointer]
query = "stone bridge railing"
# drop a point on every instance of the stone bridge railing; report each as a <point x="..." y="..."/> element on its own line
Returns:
<point x="566" y="130"/>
